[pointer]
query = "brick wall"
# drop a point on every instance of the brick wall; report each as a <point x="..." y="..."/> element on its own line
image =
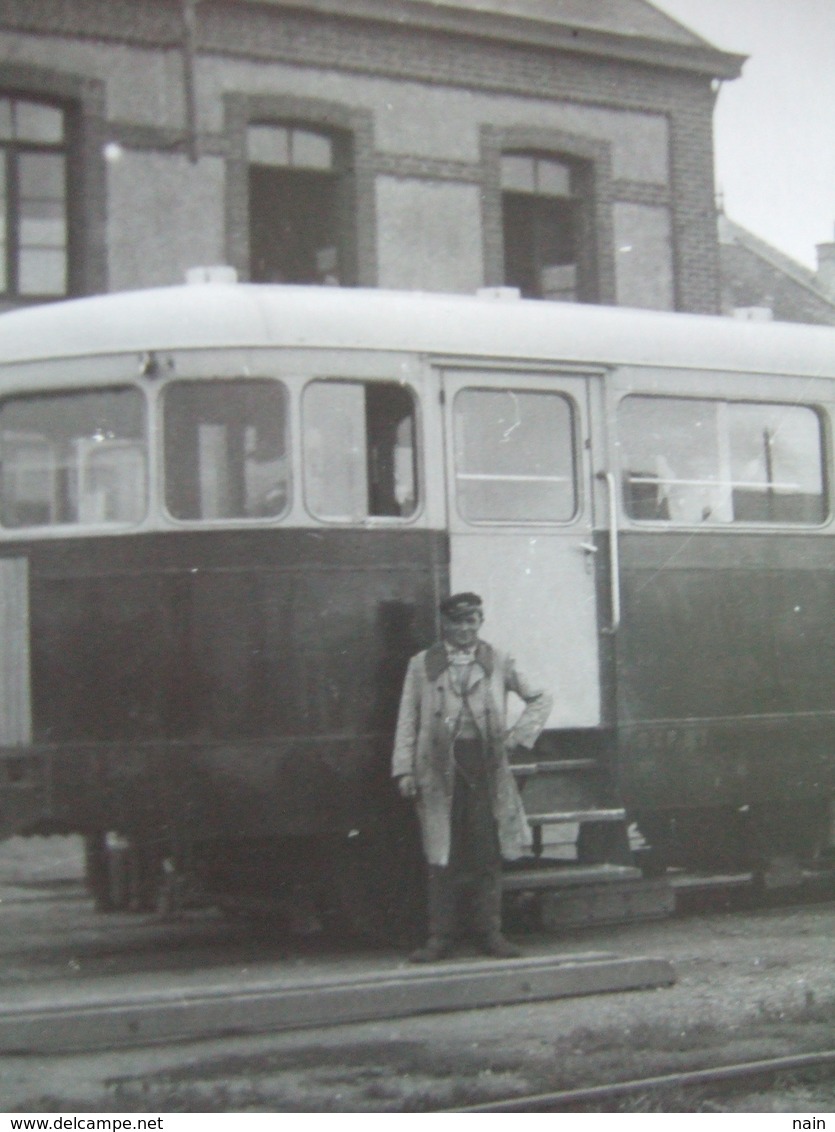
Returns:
<point x="420" y="106"/>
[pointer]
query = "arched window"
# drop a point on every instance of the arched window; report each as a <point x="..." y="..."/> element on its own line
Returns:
<point x="33" y="199"/>
<point x="294" y="205"/>
<point x="544" y="204"/>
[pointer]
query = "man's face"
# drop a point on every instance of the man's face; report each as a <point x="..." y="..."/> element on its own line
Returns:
<point x="463" y="632"/>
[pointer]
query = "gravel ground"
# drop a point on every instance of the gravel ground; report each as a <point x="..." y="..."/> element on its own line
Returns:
<point x="750" y="985"/>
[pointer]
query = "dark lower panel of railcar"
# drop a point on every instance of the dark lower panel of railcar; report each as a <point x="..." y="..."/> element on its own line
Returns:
<point x="222" y="680"/>
<point x="333" y="785"/>
<point x="725" y="661"/>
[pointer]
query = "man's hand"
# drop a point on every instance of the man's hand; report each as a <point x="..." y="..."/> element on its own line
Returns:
<point x="407" y="786"/>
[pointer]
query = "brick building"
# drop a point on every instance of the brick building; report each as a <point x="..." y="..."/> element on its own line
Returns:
<point x="561" y="146"/>
<point x="760" y="281"/>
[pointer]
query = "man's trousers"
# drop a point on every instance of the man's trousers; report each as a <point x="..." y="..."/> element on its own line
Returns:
<point x="468" y="892"/>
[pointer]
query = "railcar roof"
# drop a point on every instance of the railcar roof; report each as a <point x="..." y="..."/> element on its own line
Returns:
<point x="238" y="315"/>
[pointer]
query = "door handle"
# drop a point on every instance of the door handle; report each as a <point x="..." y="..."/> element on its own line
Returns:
<point x="614" y="550"/>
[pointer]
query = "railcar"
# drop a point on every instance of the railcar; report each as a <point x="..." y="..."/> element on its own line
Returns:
<point x="228" y="511"/>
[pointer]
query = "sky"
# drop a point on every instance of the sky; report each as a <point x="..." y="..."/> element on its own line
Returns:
<point x="774" y="127"/>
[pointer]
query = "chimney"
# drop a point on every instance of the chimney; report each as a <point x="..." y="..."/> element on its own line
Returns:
<point x="826" y="268"/>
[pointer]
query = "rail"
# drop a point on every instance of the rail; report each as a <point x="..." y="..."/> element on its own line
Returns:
<point x="550" y="1102"/>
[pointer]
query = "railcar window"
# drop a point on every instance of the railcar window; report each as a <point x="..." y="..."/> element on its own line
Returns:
<point x="689" y="461"/>
<point x="514" y="456"/>
<point x="77" y="457"/>
<point x="359" y="450"/>
<point x="226" y="449"/>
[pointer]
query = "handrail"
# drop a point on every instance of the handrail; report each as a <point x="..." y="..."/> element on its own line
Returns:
<point x="614" y="550"/>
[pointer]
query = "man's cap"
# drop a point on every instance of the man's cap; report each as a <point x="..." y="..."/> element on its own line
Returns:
<point x="458" y="606"/>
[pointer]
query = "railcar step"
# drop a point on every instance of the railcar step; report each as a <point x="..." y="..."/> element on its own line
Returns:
<point x="568" y="876"/>
<point x="524" y="770"/>
<point x="564" y="817"/>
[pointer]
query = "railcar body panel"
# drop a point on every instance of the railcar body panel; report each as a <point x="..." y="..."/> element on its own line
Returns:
<point x="633" y="494"/>
<point x="724" y="668"/>
<point x="725" y="655"/>
<point x="251" y="679"/>
<point x="521" y="518"/>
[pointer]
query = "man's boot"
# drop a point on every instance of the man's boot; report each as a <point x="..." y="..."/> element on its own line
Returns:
<point x="433" y="950"/>
<point x="441" y="902"/>
<point x="488" y="917"/>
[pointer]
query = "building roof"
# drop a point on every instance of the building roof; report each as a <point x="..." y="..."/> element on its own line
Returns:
<point x="733" y="234"/>
<point x="632" y="29"/>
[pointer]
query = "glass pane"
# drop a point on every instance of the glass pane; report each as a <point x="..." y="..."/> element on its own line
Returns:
<point x="392" y="458"/>
<point x="43" y="223"/>
<point x="776" y="464"/>
<point x="78" y="457"/>
<point x="691" y="461"/>
<point x="6" y="129"/>
<point x="334" y="439"/>
<point x="37" y="123"/>
<point x="671" y="456"/>
<point x="226" y="449"/>
<point x="359" y="450"/>
<point x="517" y="173"/>
<point x="268" y="145"/>
<point x="553" y="178"/>
<point x="41" y="176"/>
<point x="311" y="150"/>
<point x="42" y="271"/>
<point x="112" y="478"/>
<point x="558" y="282"/>
<point x="514" y="456"/>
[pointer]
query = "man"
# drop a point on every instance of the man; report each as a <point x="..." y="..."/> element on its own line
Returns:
<point x="451" y="757"/>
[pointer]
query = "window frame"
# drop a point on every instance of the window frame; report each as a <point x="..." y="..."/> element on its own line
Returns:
<point x="14" y="149"/>
<point x="352" y="132"/>
<point x="713" y="526"/>
<point x="301" y="179"/>
<point x="83" y="526"/>
<point x="221" y="522"/>
<point x="539" y="206"/>
<point x="597" y="277"/>
<point x="418" y="462"/>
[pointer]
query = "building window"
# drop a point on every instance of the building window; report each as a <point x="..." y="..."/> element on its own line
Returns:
<point x="295" y="205"/>
<point x="360" y="453"/>
<point x="33" y="200"/>
<point x="226" y="449"/>
<point x="691" y="462"/>
<point x="544" y="206"/>
<point x="514" y="456"/>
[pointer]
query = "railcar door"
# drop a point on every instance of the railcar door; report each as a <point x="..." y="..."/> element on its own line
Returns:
<point x="520" y="506"/>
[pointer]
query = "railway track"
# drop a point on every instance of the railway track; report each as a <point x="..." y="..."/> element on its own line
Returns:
<point x="721" y="1076"/>
<point x="240" y="999"/>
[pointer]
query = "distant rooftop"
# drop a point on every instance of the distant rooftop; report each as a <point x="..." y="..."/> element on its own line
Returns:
<point x="732" y="233"/>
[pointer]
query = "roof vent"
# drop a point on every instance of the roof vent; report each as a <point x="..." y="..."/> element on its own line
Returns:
<point x="502" y="294"/>
<point x="753" y="314"/>
<point x="218" y="273"/>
